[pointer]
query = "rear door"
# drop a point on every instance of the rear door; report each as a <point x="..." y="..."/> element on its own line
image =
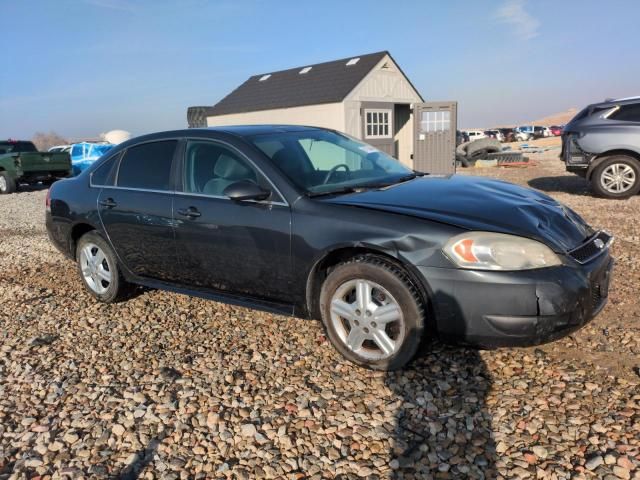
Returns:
<point x="136" y="212"/>
<point x="434" y="148"/>
<point x="230" y="246"/>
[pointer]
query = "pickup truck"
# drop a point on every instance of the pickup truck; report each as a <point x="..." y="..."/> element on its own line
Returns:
<point x="20" y="162"/>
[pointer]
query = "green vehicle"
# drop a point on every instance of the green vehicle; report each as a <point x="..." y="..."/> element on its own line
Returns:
<point x="20" y="162"/>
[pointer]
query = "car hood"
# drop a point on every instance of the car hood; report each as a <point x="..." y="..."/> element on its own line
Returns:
<point x="476" y="203"/>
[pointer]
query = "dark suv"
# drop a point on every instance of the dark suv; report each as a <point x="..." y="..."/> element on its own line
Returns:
<point x="602" y="144"/>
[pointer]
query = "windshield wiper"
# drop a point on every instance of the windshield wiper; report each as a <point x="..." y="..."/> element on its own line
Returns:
<point x="404" y="178"/>
<point x="337" y="191"/>
<point x="367" y="186"/>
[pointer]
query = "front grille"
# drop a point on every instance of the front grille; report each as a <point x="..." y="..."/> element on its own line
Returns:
<point x="592" y="248"/>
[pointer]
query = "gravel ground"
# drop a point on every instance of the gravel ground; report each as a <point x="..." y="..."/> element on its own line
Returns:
<point x="167" y="386"/>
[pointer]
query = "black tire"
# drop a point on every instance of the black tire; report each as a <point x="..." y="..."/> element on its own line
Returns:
<point x="597" y="177"/>
<point x="397" y="283"/>
<point x="478" y="155"/>
<point x="462" y="161"/>
<point x="485" y="145"/>
<point x="461" y="150"/>
<point x="118" y="288"/>
<point x="8" y="185"/>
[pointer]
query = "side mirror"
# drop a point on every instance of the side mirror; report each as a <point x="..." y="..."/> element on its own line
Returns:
<point x="245" y="190"/>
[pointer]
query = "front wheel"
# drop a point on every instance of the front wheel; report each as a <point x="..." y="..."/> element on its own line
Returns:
<point x="617" y="177"/>
<point x="99" y="269"/>
<point x="372" y="312"/>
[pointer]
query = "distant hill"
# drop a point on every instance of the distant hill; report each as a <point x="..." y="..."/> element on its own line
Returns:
<point x="557" y="118"/>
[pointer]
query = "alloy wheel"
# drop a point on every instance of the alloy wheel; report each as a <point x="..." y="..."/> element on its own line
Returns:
<point x="367" y="319"/>
<point x="618" y="178"/>
<point x="95" y="268"/>
<point x="3" y="184"/>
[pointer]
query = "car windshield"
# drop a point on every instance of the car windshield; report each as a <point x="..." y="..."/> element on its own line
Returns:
<point x="322" y="161"/>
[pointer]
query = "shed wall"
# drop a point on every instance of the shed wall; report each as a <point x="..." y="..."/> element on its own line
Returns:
<point x="385" y="85"/>
<point x="330" y="115"/>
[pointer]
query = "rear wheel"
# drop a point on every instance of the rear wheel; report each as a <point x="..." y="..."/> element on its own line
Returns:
<point x="99" y="269"/>
<point x="372" y="313"/>
<point x="617" y="177"/>
<point x="7" y="183"/>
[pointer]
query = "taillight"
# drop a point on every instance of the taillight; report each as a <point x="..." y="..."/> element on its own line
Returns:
<point x="47" y="201"/>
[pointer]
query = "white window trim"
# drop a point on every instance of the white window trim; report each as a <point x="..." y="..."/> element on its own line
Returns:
<point x="378" y="111"/>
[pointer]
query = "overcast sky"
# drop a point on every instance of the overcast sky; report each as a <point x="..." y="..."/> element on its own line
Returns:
<point x="81" y="67"/>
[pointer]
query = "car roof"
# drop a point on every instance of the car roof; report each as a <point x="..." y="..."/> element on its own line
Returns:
<point x="614" y="102"/>
<point x="249" y="130"/>
<point x="234" y="130"/>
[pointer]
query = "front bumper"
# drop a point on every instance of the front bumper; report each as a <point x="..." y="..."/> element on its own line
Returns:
<point x="495" y="309"/>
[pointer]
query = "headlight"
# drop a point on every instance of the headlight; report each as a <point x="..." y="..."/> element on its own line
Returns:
<point x="498" y="251"/>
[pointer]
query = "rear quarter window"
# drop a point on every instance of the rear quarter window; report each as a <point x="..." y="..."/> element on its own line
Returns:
<point x="627" y="113"/>
<point x="147" y="166"/>
<point x="104" y="175"/>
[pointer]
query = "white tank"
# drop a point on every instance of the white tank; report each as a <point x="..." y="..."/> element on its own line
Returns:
<point x="115" y="136"/>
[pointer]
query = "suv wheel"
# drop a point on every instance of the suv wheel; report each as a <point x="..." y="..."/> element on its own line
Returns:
<point x="7" y="184"/>
<point x="617" y="177"/>
<point x="372" y="313"/>
<point x="99" y="269"/>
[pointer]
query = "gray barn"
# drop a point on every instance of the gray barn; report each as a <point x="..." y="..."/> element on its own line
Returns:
<point x="367" y="96"/>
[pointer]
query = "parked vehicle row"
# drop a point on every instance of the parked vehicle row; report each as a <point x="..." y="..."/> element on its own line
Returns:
<point x="602" y="144"/>
<point x="310" y="222"/>
<point x="20" y="162"/>
<point x="516" y="134"/>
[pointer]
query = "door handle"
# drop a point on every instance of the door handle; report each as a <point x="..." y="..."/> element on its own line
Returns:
<point x="190" y="212"/>
<point x="108" y="203"/>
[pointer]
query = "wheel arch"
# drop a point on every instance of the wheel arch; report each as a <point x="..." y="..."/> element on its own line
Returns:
<point x="335" y="256"/>
<point x="77" y="231"/>
<point x="601" y="157"/>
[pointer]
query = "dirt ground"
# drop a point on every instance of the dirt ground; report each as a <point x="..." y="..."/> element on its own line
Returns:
<point x="173" y="387"/>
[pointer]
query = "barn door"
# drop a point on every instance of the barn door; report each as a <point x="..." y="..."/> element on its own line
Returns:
<point x="377" y="126"/>
<point x="434" y="129"/>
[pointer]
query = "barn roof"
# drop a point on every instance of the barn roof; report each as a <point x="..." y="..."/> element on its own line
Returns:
<point x="328" y="82"/>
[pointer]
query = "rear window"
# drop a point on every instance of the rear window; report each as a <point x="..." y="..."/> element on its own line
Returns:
<point x="17" y="147"/>
<point x="147" y="166"/>
<point x="627" y="113"/>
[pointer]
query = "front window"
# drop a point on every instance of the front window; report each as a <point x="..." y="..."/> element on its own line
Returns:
<point x="321" y="161"/>
<point x="209" y="168"/>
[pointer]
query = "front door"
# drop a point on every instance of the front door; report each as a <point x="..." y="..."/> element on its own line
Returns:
<point x="235" y="247"/>
<point x="377" y="126"/>
<point x="137" y="212"/>
<point x="434" y="148"/>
